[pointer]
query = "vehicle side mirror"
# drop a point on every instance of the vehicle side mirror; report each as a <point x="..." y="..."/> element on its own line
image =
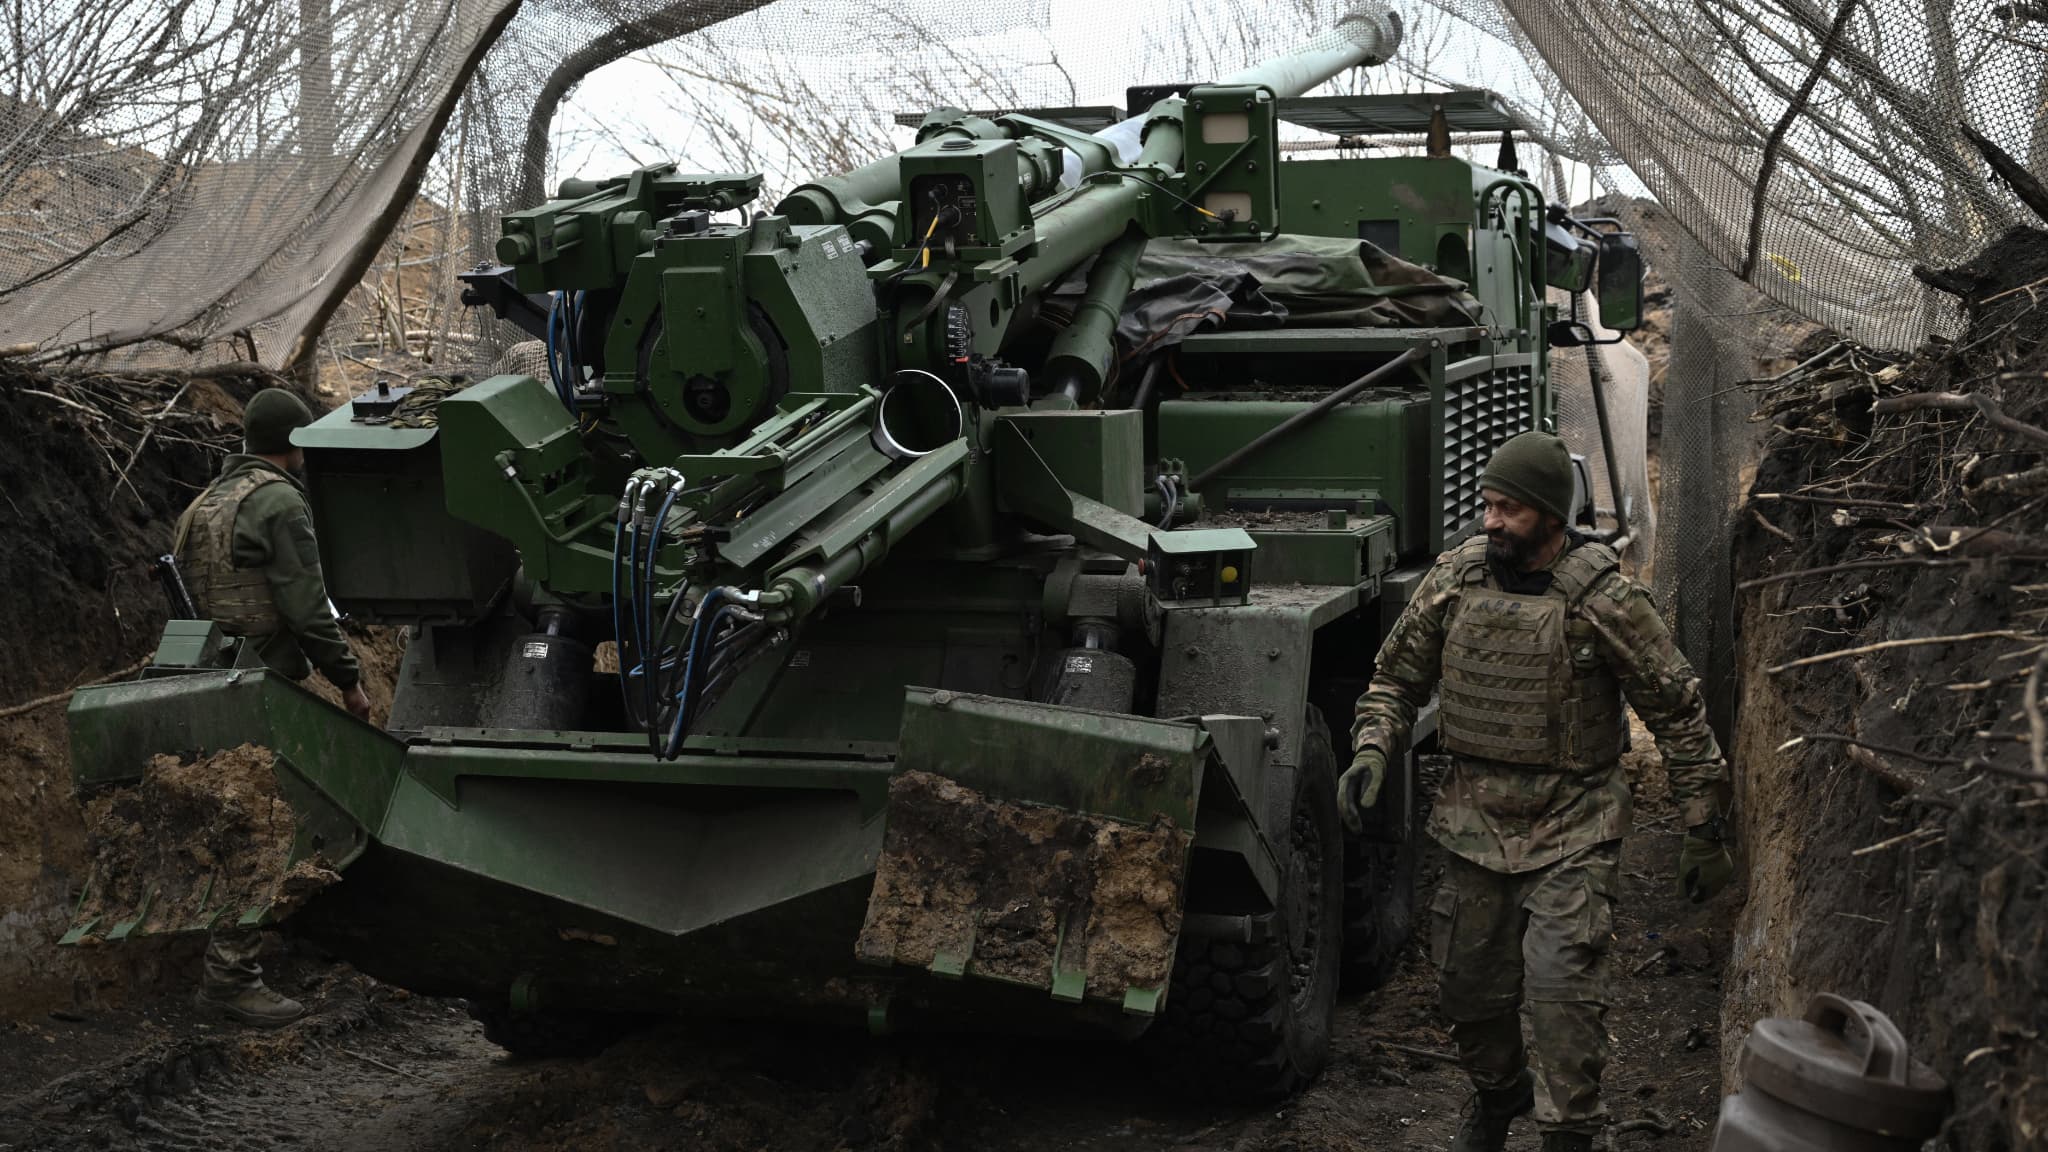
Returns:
<point x="1568" y="260"/>
<point x="1621" y="282"/>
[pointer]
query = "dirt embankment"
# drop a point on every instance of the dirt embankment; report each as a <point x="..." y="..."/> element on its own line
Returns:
<point x="1895" y="853"/>
<point x="98" y="468"/>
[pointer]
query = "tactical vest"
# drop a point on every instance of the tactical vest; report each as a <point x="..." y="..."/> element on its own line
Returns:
<point x="238" y="599"/>
<point x="1523" y="678"/>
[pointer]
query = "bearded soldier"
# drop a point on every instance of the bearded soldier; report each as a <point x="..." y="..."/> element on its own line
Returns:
<point x="1534" y="637"/>
<point x="247" y="552"/>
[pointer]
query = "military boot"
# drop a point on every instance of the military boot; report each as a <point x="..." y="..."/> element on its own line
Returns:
<point x="255" y="1005"/>
<point x="1567" y="1142"/>
<point x="1488" y="1115"/>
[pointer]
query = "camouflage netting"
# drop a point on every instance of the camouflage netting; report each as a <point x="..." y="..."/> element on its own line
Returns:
<point x="233" y="165"/>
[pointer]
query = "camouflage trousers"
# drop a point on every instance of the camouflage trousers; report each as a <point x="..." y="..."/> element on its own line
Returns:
<point x="1534" y="942"/>
<point x="230" y="962"/>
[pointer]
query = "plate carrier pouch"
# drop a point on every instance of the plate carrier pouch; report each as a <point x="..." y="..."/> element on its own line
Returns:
<point x="1523" y="678"/>
<point x="238" y="599"/>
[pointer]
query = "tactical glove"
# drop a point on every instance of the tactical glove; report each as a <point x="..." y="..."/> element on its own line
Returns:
<point x="1704" y="863"/>
<point x="1359" y="788"/>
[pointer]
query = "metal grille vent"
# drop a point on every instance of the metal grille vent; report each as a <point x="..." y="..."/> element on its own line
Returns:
<point x="1480" y="412"/>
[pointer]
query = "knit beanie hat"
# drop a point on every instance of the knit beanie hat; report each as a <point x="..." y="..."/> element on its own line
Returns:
<point x="1535" y="468"/>
<point x="268" y="421"/>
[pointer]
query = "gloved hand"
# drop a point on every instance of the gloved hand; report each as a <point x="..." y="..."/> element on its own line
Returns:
<point x="357" y="702"/>
<point x="1704" y="863"/>
<point x="1359" y="788"/>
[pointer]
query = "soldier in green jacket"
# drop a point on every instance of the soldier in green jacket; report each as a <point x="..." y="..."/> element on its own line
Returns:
<point x="249" y="559"/>
<point x="1534" y="637"/>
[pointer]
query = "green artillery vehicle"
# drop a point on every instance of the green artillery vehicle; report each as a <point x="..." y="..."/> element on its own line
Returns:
<point x="935" y="602"/>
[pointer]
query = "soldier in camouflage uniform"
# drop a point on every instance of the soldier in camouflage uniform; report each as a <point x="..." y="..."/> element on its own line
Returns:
<point x="1535" y="637"/>
<point x="248" y="556"/>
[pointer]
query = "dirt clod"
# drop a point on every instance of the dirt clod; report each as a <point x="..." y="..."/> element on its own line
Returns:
<point x="194" y="841"/>
<point x="1003" y="885"/>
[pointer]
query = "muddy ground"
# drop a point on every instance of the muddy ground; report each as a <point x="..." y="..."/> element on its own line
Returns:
<point x="373" y="1069"/>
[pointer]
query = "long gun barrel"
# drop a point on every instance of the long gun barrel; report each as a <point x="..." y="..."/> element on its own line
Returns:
<point x="1368" y="34"/>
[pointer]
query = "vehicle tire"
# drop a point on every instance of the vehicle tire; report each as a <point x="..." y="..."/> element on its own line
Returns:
<point x="1379" y="900"/>
<point x="1379" y="908"/>
<point x="533" y="1035"/>
<point x="1251" y="1020"/>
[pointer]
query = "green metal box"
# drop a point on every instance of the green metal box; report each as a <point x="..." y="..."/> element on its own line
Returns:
<point x="1201" y="567"/>
<point x="388" y="547"/>
<point x="1232" y="164"/>
<point x="1099" y="455"/>
<point x="977" y="180"/>
<point x="1366" y="454"/>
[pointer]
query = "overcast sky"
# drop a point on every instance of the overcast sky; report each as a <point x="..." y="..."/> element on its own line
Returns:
<point x="657" y="105"/>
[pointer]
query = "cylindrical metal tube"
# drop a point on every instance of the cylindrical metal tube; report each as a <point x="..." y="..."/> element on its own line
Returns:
<point x="1081" y="354"/>
<point x="1368" y="34"/>
<point x="1078" y="229"/>
<point x="838" y="199"/>
<point x="798" y="591"/>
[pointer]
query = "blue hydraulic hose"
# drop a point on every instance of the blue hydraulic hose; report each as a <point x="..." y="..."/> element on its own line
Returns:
<point x="700" y="626"/>
<point x="654" y="545"/>
<point x="572" y="334"/>
<point x="651" y="656"/>
<point x="553" y="357"/>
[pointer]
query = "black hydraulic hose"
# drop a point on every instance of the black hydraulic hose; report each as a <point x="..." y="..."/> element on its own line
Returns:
<point x="1305" y="417"/>
<point x="1145" y="382"/>
<point x="734" y="654"/>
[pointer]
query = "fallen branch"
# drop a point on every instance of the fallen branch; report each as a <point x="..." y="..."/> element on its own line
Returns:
<point x="1651" y="1121"/>
<point x="142" y="442"/>
<point x="1664" y="952"/>
<point x="1851" y="566"/>
<point x="2035" y="477"/>
<point x="2035" y="778"/>
<point x="373" y="1062"/>
<point x="1832" y="738"/>
<point x="1423" y="1053"/>
<point x="1836" y="501"/>
<point x="58" y="697"/>
<point x="1773" y="529"/>
<point x="85" y="408"/>
<point x="1887" y="645"/>
<point x="2022" y="182"/>
<point x="1905" y="782"/>
<point x="1960" y="402"/>
<point x="1926" y="830"/>
<point x="231" y="368"/>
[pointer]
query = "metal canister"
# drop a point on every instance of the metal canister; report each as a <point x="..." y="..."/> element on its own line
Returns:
<point x="1840" y="1078"/>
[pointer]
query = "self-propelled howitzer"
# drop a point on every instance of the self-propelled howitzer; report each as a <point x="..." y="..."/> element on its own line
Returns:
<point x="937" y="596"/>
